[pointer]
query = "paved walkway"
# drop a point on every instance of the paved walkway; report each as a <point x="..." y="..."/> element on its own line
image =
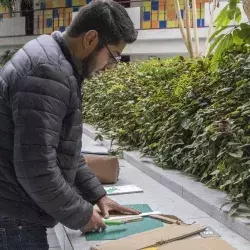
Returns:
<point x="52" y="240"/>
<point x="159" y="198"/>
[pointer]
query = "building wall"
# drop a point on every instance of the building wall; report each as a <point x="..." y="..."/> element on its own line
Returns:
<point x="50" y="15"/>
<point x="151" y="42"/>
<point x="14" y="25"/>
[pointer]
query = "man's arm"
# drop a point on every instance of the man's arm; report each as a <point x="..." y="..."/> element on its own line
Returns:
<point x="39" y="105"/>
<point x="86" y="182"/>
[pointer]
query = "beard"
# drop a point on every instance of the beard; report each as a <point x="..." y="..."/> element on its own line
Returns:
<point x="86" y="66"/>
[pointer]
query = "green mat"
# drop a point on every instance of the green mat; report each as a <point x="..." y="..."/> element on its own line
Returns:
<point x="121" y="231"/>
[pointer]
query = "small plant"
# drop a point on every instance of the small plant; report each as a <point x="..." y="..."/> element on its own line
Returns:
<point x="226" y="37"/>
<point x="6" y="56"/>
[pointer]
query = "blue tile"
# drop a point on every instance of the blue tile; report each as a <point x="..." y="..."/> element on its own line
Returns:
<point x="199" y="22"/>
<point x="162" y="24"/>
<point x="68" y="3"/>
<point x="43" y="5"/>
<point x="75" y="9"/>
<point x="155" y="5"/>
<point x="62" y="28"/>
<point x="182" y="14"/>
<point x="146" y="16"/>
<point x="49" y="22"/>
<point x="55" y="13"/>
<point x="203" y="22"/>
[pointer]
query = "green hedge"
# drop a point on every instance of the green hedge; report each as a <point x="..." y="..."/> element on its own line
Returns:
<point x="182" y="115"/>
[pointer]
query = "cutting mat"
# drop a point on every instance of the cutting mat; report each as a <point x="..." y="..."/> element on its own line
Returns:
<point x="125" y="230"/>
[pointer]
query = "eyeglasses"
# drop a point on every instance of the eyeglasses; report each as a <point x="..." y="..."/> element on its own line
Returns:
<point x="114" y="60"/>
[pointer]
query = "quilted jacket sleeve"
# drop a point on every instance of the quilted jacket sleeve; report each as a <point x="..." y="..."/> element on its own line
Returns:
<point x="87" y="183"/>
<point x="40" y="103"/>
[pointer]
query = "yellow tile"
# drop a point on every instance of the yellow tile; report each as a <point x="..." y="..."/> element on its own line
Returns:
<point x="147" y="4"/>
<point x="47" y="14"/>
<point x="146" y="25"/>
<point x="68" y="10"/>
<point x="55" y="3"/>
<point x="61" y="3"/>
<point x="61" y="22"/>
<point x="82" y="2"/>
<point x="172" y="24"/>
<point x="154" y="15"/>
<point x="161" y="15"/>
<point x="48" y="30"/>
<point x="75" y="3"/>
<point x="198" y="13"/>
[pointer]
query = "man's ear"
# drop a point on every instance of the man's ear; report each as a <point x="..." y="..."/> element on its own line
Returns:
<point x="90" y="40"/>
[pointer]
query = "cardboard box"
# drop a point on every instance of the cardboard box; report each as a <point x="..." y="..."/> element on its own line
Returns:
<point x="152" y="238"/>
<point x="198" y="244"/>
<point x="105" y="167"/>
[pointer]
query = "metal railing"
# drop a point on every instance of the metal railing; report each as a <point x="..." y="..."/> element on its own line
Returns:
<point x="153" y="15"/>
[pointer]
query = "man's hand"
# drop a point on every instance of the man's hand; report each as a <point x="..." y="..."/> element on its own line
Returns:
<point x="95" y="224"/>
<point x="107" y="205"/>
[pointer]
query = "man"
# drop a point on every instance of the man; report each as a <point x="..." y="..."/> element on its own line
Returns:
<point x="43" y="177"/>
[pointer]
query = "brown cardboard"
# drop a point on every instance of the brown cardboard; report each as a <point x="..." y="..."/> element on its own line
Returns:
<point x="198" y="244"/>
<point x="105" y="167"/>
<point x="155" y="237"/>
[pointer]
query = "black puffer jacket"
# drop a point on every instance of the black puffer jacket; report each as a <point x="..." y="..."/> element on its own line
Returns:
<point x="40" y="138"/>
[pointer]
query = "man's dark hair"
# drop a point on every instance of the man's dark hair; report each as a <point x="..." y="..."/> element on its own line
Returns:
<point x="108" y="18"/>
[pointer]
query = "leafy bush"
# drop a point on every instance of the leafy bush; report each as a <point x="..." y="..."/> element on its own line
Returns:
<point x="182" y="115"/>
<point x="6" y="56"/>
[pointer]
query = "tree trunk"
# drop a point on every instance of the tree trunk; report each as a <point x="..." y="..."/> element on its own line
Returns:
<point x="246" y="6"/>
<point x="188" y="28"/>
<point x="196" y="38"/>
<point x="211" y="27"/>
<point x="180" y="21"/>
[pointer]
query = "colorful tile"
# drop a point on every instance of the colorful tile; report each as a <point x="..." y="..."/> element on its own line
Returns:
<point x="68" y="3"/>
<point x="146" y="25"/>
<point x="55" y="3"/>
<point x="154" y="15"/>
<point x="146" y="16"/>
<point x="82" y="2"/>
<point x="147" y="6"/>
<point x="62" y="28"/>
<point x="49" y="4"/>
<point x="61" y="3"/>
<point x="49" y="22"/>
<point x="155" y="5"/>
<point x="55" y="13"/>
<point x="75" y="3"/>
<point x="162" y="15"/>
<point x="162" y="24"/>
<point x="162" y="5"/>
<point x="155" y="24"/>
<point x="68" y="10"/>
